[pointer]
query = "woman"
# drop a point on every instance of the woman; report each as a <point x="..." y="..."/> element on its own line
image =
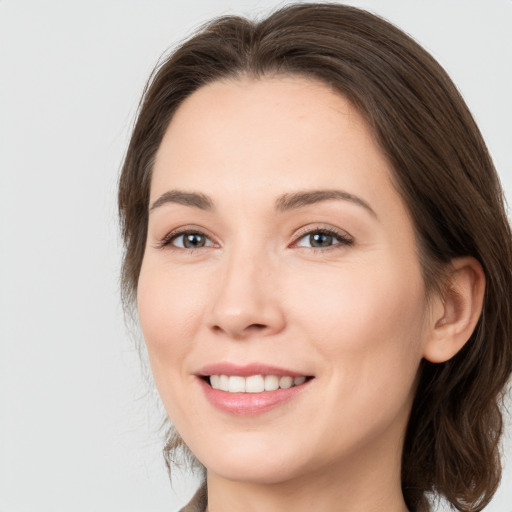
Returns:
<point x="316" y="241"/>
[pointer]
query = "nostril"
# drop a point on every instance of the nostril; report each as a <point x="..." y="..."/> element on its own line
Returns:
<point x="256" y="327"/>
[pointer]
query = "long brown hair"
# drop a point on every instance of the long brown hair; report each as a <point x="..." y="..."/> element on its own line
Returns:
<point x="441" y="168"/>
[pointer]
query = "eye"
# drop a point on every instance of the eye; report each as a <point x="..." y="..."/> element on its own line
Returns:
<point x="187" y="240"/>
<point x="323" y="239"/>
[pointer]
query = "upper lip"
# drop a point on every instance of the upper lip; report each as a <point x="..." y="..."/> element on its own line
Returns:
<point x="246" y="370"/>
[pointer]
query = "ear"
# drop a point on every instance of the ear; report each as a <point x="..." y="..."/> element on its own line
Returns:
<point x="456" y="312"/>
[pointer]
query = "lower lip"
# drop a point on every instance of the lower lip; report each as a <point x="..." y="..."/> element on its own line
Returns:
<point x="250" y="404"/>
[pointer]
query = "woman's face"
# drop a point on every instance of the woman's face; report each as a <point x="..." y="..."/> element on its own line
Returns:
<point x="278" y="250"/>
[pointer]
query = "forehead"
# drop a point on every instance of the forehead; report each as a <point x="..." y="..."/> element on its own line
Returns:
<point x="269" y="136"/>
<point x="274" y="112"/>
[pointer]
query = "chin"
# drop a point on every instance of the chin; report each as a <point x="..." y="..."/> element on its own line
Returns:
<point x="256" y="465"/>
<point x="264" y="472"/>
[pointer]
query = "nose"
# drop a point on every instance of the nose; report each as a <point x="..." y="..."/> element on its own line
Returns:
<point x="247" y="301"/>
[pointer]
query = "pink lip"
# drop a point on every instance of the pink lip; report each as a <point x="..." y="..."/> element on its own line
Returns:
<point x="248" y="404"/>
<point x="245" y="370"/>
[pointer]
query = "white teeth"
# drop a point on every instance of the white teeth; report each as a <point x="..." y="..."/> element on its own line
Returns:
<point x="285" y="382"/>
<point x="223" y="382"/>
<point x="214" y="381"/>
<point x="271" y="382"/>
<point x="236" y="384"/>
<point x="254" y="383"/>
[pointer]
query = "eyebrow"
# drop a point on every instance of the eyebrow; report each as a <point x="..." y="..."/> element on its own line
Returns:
<point x="194" y="199"/>
<point x="286" y="202"/>
<point x="295" y="200"/>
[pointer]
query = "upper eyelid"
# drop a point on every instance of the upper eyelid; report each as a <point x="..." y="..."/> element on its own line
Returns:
<point x="306" y="230"/>
<point x="167" y="240"/>
<point x="345" y="239"/>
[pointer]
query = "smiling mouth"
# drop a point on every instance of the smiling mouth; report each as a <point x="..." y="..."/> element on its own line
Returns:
<point x="253" y="383"/>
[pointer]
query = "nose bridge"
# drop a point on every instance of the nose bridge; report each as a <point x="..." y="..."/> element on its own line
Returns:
<point x="247" y="297"/>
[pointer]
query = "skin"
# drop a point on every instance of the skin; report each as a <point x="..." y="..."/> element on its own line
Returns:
<point x="353" y="315"/>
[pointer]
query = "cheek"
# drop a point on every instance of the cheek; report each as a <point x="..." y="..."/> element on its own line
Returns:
<point x="170" y="309"/>
<point x="365" y="315"/>
<point x="169" y="305"/>
<point x="367" y="327"/>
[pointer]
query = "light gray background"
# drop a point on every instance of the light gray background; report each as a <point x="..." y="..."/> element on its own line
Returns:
<point x="78" y="426"/>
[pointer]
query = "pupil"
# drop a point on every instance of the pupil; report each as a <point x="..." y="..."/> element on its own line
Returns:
<point x="193" y="240"/>
<point x="320" y="240"/>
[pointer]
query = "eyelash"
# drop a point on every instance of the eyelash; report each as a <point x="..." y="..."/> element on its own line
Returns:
<point x="166" y="242"/>
<point x="344" y="240"/>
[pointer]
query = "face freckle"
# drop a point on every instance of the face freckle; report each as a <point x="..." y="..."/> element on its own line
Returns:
<point x="350" y="315"/>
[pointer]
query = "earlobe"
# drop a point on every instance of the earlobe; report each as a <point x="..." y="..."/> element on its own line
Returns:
<point x="457" y="312"/>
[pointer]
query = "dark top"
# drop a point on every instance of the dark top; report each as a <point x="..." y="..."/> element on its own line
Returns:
<point x="199" y="501"/>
